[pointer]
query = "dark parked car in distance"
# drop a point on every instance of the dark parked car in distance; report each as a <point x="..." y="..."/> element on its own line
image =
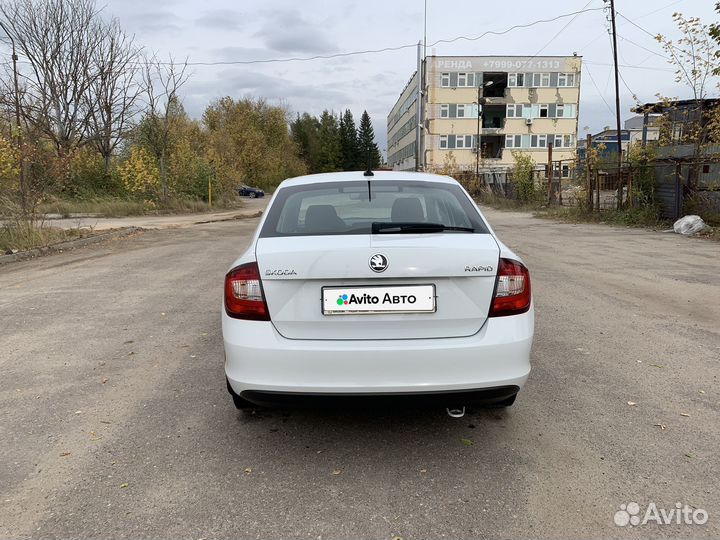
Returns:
<point x="247" y="191"/>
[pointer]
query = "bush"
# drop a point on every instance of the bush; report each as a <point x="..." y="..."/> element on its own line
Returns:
<point x="522" y="177"/>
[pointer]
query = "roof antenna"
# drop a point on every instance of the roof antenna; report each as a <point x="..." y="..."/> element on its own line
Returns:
<point x="369" y="172"/>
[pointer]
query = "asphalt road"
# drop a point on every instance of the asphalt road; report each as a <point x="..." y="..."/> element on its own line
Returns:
<point x="115" y="422"/>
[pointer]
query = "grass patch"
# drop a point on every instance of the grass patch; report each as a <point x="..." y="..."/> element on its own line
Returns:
<point x="23" y="235"/>
<point x="633" y="217"/>
<point x="105" y="207"/>
<point x="99" y="207"/>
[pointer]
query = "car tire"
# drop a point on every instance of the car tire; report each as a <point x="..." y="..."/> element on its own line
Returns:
<point x="241" y="404"/>
<point x="253" y="195"/>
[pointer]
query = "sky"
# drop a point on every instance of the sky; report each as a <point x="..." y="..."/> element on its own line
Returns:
<point x="245" y="30"/>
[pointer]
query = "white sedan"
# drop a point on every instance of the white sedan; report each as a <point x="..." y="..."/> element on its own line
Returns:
<point x="385" y="284"/>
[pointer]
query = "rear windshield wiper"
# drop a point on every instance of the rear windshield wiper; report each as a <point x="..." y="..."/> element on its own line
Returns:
<point x="389" y="227"/>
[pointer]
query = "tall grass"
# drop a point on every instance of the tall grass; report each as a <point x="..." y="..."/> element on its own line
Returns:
<point x="23" y="235"/>
<point x="102" y="207"/>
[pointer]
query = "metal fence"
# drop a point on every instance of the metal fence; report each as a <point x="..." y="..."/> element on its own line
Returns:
<point x="675" y="187"/>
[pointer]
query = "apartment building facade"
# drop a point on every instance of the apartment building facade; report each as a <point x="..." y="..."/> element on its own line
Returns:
<point x="526" y="103"/>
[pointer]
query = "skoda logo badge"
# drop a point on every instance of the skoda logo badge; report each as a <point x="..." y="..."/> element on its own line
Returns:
<point x="378" y="263"/>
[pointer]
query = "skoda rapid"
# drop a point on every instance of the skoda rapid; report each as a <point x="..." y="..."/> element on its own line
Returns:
<point x="385" y="284"/>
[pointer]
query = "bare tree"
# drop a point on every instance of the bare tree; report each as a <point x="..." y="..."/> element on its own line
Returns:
<point x="161" y="83"/>
<point x="112" y="96"/>
<point x="58" y="38"/>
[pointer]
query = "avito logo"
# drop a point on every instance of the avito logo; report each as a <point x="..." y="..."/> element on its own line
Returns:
<point x="365" y="299"/>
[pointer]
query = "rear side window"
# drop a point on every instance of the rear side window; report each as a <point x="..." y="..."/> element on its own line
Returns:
<point x="334" y="208"/>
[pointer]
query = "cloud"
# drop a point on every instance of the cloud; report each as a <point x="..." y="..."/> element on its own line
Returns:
<point x="154" y="22"/>
<point x="289" y="32"/>
<point x="221" y="19"/>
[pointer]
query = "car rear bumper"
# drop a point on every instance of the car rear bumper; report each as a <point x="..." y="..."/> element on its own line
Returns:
<point x="258" y="359"/>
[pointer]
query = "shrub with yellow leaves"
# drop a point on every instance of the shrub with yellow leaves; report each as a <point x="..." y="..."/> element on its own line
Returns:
<point x="140" y="174"/>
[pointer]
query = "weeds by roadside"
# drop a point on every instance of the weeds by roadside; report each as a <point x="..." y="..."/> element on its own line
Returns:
<point x="114" y="207"/>
<point x="646" y="216"/>
<point x="23" y="235"/>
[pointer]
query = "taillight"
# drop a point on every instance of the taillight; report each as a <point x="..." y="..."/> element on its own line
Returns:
<point x="244" y="298"/>
<point x="512" y="289"/>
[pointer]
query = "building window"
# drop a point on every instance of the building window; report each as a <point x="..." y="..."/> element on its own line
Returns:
<point x="563" y="141"/>
<point x="444" y="110"/>
<point x="462" y="78"/>
<point x="513" y="141"/>
<point x="544" y="79"/>
<point x="566" y="79"/>
<point x="565" y="171"/>
<point x="443" y="141"/>
<point x="514" y="110"/>
<point x="543" y="111"/>
<point x="445" y="79"/>
<point x="560" y="110"/>
<point x="516" y="79"/>
<point x="460" y="111"/>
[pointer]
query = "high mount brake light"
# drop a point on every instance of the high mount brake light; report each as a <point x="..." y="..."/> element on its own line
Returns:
<point x="244" y="297"/>
<point x="512" y="289"/>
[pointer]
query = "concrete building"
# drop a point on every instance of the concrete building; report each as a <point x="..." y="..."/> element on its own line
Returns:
<point x="525" y="103"/>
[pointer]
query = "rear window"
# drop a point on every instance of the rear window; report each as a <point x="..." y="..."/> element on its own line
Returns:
<point x="333" y="208"/>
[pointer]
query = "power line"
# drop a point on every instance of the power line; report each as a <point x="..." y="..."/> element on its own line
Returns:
<point x="641" y="47"/>
<point x="391" y="49"/>
<point x="562" y="29"/>
<point x="631" y="66"/>
<point x="592" y="79"/>
<point x="593" y="40"/>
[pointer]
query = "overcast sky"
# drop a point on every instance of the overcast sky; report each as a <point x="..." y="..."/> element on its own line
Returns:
<point x="227" y="30"/>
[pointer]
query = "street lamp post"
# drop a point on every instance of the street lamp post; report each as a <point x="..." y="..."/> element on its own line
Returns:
<point x="480" y="102"/>
<point x="18" y="132"/>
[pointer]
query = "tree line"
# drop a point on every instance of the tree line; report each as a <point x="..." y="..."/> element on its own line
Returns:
<point x="92" y="113"/>
<point x="333" y="143"/>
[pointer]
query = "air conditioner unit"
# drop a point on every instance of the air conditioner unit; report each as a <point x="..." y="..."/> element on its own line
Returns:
<point x="528" y="121"/>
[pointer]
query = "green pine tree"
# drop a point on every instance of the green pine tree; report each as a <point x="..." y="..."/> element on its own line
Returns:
<point x="349" y="155"/>
<point x="366" y="140"/>
<point x="305" y="131"/>
<point x="329" y="138"/>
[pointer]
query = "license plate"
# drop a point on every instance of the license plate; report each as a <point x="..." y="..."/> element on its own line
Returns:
<point x="378" y="299"/>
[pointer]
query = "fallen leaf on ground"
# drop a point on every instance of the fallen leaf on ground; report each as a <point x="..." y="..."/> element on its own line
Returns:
<point x="684" y="414"/>
<point x="466" y="442"/>
<point x="123" y="485"/>
<point x="631" y="403"/>
<point x="247" y="470"/>
<point x="63" y="454"/>
<point x="131" y="353"/>
<point x="690" y="455"/>
<point x="662" y="427"/>
<point x="336" y="472"/>
<point x="397" y="538"/>
<point x="105" y="422"/>
<point x="657" y="366"/>
<point x="104" y="380"/>
<point x="701" y="391"/>
<point x="423" y="470"/>
<point x="78" y="412"/>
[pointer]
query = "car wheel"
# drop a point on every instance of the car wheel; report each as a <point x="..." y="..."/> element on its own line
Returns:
<point x="253" y="195"/>
<point x="240" y="403"/>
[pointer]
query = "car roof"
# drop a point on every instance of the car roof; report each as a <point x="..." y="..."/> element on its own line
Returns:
<point x="360" y="176"/>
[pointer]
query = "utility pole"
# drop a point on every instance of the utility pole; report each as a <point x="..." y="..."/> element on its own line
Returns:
<point x="419" y="96"/>
<point x="18" y="131"/>
<point x="617" y="104"/>
<point x="478" y="147"/>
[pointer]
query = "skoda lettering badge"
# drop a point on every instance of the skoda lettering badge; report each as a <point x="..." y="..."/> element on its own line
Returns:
<point x="378" y="263"/>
